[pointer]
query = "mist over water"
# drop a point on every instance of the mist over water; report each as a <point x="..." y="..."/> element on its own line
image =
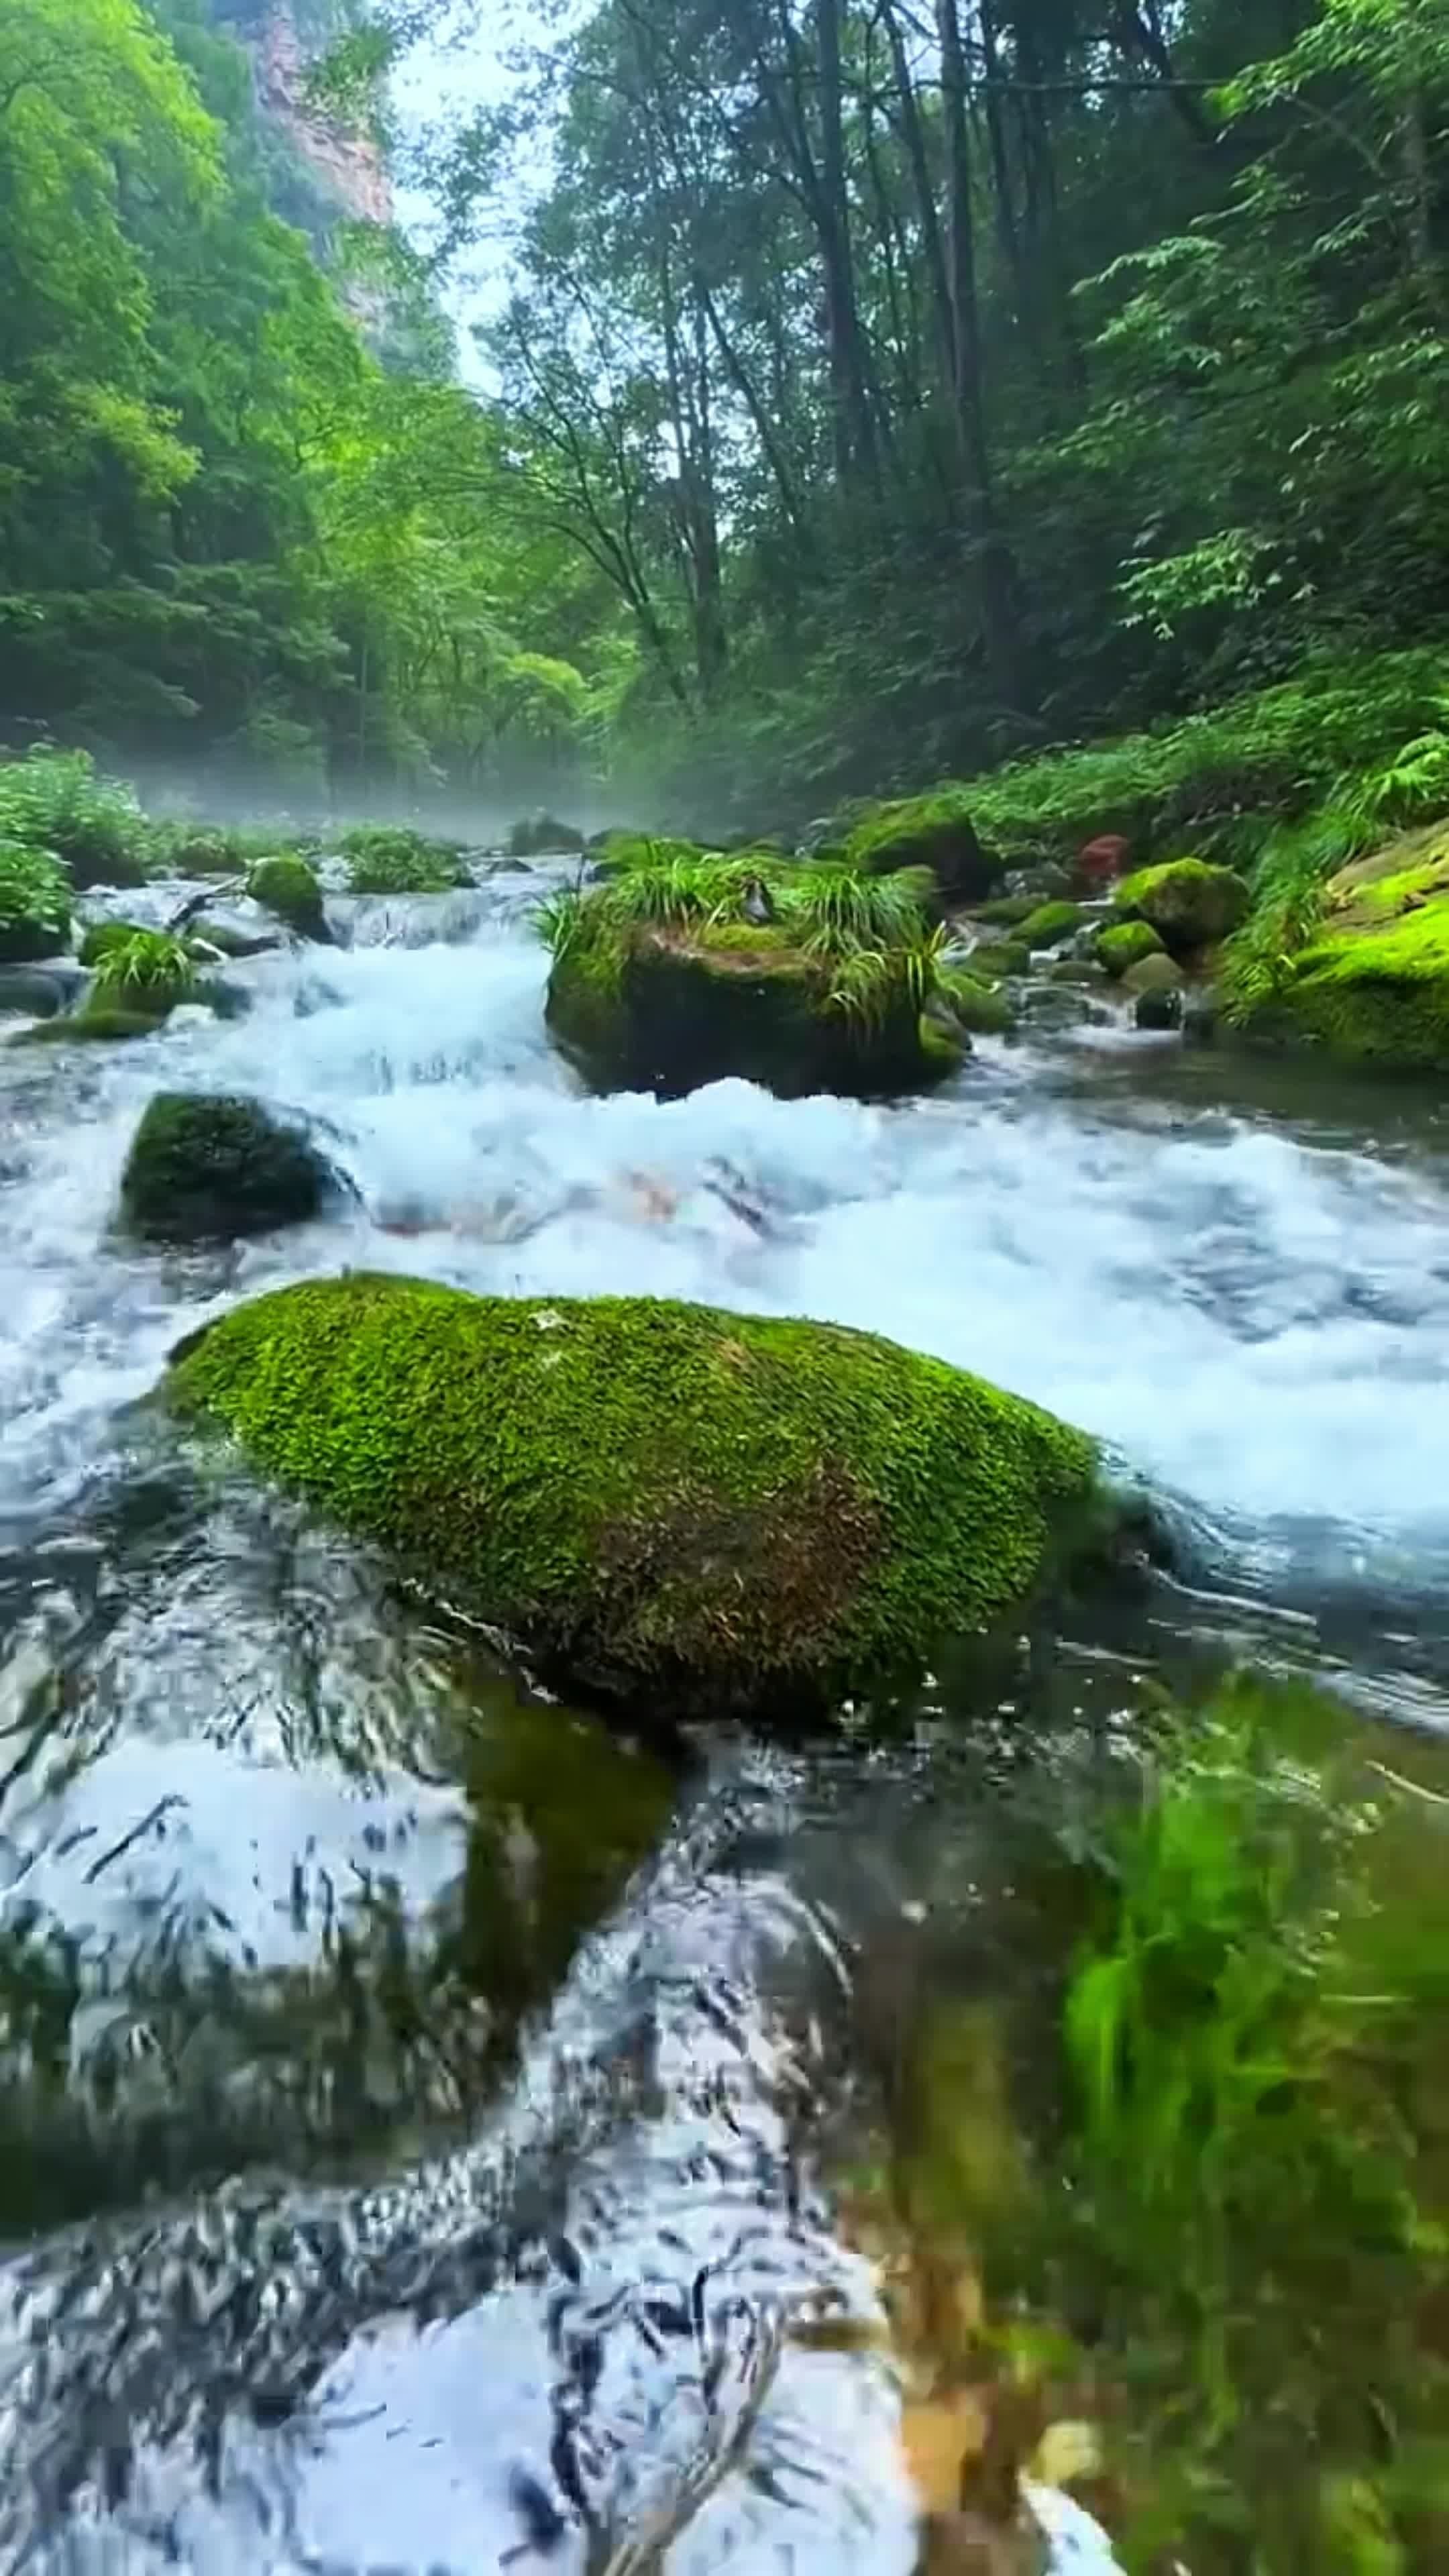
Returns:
<point x="223" y="1737"/>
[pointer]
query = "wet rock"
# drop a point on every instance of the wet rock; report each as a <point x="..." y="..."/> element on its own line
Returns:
<point x="934" y="832"/>
<point x="543" y="836"/>
<point x="33" y="990"/>
<point x="1158" y="1011"/>
<point x="975" y="1005"/>
<point x="1201" y="1019"/>
<point x="1124" y="944"/>
<point x="290" y="888"/>
<point x="1075" y="970"/>
<point x="1102" y="861"/>
<point x="682" y="1508"/>
<point x="99" y="1025"/>
<point x="997" y="959"/>
<point x="1049" y="925"/>
<point x="231" y="942"/>
<point x="1188" y="902"/>
<point x="1158" y="973"/>
<point x="206" y="1167"/>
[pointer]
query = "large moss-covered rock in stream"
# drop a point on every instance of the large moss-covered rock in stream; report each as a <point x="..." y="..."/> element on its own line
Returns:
<point x="1190" y="903"/>
<point x="205" y="1167"/>
<point x="35" y="905"/>
<point x="1372" y="987"/>
<point x="692" y="1510"/>
<point x="1124" y="944"/>
<point x="668" y="1008"/>
<point x="1048" y="925"/>
<point x="288" y="886"/>
<point x="933" y="831"/>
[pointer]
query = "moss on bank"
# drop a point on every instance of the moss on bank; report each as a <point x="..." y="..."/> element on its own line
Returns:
<point x="705" y="1510"/>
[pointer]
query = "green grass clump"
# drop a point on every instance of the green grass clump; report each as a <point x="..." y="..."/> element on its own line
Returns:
<point x="389" y="859"/>
<point x="54" y="801"/>
<point x="705" y="1510"/>
<point x="1124" y="944"/>
<point x="143" y="970"/>
<point x="35" y="904"/>
<point x="1258" y="2147"/>
<point x="1049" y="924"/>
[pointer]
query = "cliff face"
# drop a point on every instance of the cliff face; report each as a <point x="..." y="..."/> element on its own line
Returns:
<point x="348" y="167"/>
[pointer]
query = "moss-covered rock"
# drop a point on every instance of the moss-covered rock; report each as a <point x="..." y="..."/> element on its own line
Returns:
<point x="543" y="836"/>
<point x="388" y="858"/>
<point x="933" y="831"/>
<point x="694" y="1510"/>
<point x="205" y="1167"/>
<point x="289" y="887"/>
<point x="1048" y="925"/>
<point x="92" y="1027"/>
<point x="670" y="1008"/>
<point x="978" y="1007"/>
<point x="998" y="959"/>
<point x="1157" y="973"/>
<point x="1123" y="944"/>
<point x="1188" y="902"/>
<point x="1372" y="987"/>
<point x="35" y="905"/>
<point x="1006" y="911"/>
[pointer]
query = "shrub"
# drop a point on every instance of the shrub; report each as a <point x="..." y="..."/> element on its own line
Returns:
<point x="53" y="800"/>
<point x="34" y="903"/>
<point x="387" y="858"/>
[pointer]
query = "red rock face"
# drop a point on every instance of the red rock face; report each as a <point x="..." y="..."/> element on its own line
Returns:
<point x="1104" y="860"/>
<point x="350" y="163"/>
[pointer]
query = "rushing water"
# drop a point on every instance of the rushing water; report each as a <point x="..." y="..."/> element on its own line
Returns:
<point x="418" y="2098"/>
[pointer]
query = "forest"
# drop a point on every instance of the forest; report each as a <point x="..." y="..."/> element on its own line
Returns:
<point x="872" y="391"/>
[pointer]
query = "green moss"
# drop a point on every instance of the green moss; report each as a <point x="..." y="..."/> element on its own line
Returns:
<point x="934" y="831"/>
<point x="714" y="1511"/>
<point x="210" y="1166"/>
<point x="88" y="1027"/>
<point x="1124" y="944"/>
<point x="943" y="1050"/>
<point x="1190" y="903"/>
<point x="288" y="886"/>
<point x="998" y="958"/>
<point x="1376" y="998"/>
<point x="1049" y="924"/>
<point x="1006" y="911"/>
<point x="978" y="1006"/>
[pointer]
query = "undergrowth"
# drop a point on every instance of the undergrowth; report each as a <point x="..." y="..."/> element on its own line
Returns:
<point x="54" y="800"/>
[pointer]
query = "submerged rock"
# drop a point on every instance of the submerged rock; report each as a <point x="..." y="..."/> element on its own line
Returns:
<point x="675" y="1506"/>
<point x="1188" y="902"/>
<point x="205" y="1167"/>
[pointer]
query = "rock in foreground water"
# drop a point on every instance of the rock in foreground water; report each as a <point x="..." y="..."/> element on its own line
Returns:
<point x="698" y="1511"/>
<point x="205" y="1167"/>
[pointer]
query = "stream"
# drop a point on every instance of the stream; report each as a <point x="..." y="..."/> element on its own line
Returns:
<point x="420" y="2104"/>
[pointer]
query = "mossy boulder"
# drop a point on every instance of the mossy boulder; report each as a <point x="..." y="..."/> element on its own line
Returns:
<point x="35" y="905"/>
<point x="1190" y="903"/>
<point x="1007" y="911"/>
<point x="98" y="1026"/>
<point x="1158" y="973"/>
<point x="1372" y="987"/>
<point x="693" y="1511"/>
<point x="997" y="959"/>
<point x="288" y="886"/>
<point x="976" y="1006"/>
<point x="543" y="836"/>
<point x="933" y="831"/>
<point x="1048" y="925"/>
<point x="387" y="858"/>
<point x="208" y="1167"/>
<point x="670" y="1008"/>
<point x="1123" y="944"/>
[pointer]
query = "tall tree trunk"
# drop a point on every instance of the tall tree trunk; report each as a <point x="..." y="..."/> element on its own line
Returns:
<point x="997" y="571"/>
<point x="856" y="444"/>
<point x="914" y="134"/>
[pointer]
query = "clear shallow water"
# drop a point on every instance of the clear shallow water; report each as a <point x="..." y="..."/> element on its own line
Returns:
<point x="524" y="2138"/>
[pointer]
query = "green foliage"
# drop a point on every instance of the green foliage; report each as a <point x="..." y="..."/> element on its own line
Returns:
<point x="144" y="970"/>
<point x="34" y="903"/>
<point x="1256" y="2192"/>
<point x="700" y="1509"/>
<point x="389" y="859"/>
<point x="54" y="801"/>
